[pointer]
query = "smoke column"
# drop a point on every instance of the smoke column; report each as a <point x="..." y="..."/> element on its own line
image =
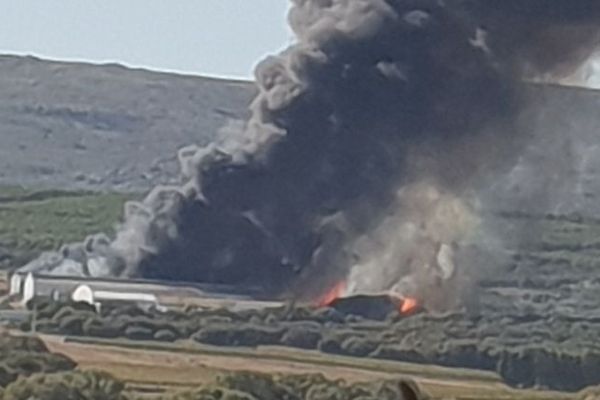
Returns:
<point x="368" y="142"/>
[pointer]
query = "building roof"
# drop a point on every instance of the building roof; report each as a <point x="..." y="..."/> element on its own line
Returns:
<point x="87" y="294"/>
<point x="47" y="283"/>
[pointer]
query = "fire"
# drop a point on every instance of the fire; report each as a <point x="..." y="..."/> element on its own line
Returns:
<point x="408" y="305"/>
<point x="405" y="305"/>
<point x="333" y="294"/>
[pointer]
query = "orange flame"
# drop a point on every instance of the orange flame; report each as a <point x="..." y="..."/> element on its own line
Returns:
<point x="333" y="294"/>
<point x="408" y="305"/>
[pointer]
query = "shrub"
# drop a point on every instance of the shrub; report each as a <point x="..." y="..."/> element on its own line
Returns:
<point x="77" y="308"/>
<point x="251" y="385"/>
<point x="92" y="326"/>
<point x="324" y="315"/>
<point x="358" y="347"/>
<point x="103" y="327"/>
<point x="516" y="367"/>
<point x="46" y="325"/>
<point x="29" y="362"/>
<point x="244" y="335"/>
<point x="252" y="335"/>
<point x="590" y="365"/>
<point x="138" y="333"/>
<point x="260" y="386"/>
<point x="25" y="355"/>
<point x="165" y="335"/>
<point x="7" y="375"/>
<point x="215" y="320"/>
<point x="66" y="386"/>
<point x="214" y="393"/>
<point x="63" y="312"/>
<point x="45" y="308"/>
<point x="25" y="343"/>
<point x="325" y="392"/>
<point x="216" y="335"/>
<point x="81" y="306"/>
<point x="398" y="353"/>
<point x="300" y="384"/>
<point x="466" y="355"/>
<point x="71" y="324"/>
<point x="301" y="336"/>
<point x="332" y="341"/>
<point x="130" y="311"/>
<point x="140" y="322"/>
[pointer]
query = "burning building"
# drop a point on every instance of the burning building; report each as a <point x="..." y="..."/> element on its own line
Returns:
<point x="369" y="145"/>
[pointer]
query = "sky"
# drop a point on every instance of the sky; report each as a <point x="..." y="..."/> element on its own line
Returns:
<point x="223" y="38"/>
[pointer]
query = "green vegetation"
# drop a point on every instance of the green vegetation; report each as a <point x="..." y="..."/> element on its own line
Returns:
<point x="90" y="385"/>
<point x="22" y="356"/>
<point x="297" y="356"/>
<point x="550" y="241"/>
<point x="451" y="340"/>
<point x="32" y="221"/>
<point x="255" y="386"/>
<point x="73" y="385"/>
<point x="29" y="371"/>
<point x="557" y="350"/>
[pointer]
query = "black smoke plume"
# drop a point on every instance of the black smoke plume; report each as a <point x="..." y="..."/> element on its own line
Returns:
<point x="368" y="140"/>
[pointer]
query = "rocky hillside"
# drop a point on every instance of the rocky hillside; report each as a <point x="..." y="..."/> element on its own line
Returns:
<point x="75" y="126"/>
<point x="107" y="127"/>
<point x="71" y="125"/>
<point x="559" y="165"/>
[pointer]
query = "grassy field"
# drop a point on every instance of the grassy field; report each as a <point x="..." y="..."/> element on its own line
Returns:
<point x="157" y="367"/>
<point x="32" y="221"/>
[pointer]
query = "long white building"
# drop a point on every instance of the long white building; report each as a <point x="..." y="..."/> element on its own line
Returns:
<point x="25" y="287"/>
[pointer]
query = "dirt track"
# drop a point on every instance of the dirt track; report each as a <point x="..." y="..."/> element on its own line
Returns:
<point x="181" y="369"/>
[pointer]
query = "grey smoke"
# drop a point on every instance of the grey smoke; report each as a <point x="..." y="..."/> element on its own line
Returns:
<point x="380" y="105"/>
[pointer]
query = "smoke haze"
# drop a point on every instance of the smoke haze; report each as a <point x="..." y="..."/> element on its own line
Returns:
<point x="370" y="143"/>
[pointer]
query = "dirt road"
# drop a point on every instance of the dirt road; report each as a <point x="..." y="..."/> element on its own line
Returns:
<point x="183" y="368"/>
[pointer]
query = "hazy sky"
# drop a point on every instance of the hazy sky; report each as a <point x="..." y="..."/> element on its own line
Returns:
<point x="214" y="37"/>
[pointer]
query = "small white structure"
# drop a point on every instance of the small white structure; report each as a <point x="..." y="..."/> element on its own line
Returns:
<point x="16" y="284"/>
<point x="85" y="294"/>
<point x="28" y="288"/>
<point x="31" y="286"/>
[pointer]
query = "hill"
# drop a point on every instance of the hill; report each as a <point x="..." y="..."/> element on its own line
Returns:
<point x="108" y="127"/>
<point x="74" y="125"/>
<point x="73" y="128"/>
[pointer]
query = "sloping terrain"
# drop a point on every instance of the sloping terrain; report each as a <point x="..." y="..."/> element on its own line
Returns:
<point x="558" y="166"/>
<point x="159" y="366"/>
<point x="74" y="125"/>
<point x="107" y="127"/>
<point x="33" y="221"/>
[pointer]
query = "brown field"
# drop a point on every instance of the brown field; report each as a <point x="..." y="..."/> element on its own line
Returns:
<point x="154" y="367"/>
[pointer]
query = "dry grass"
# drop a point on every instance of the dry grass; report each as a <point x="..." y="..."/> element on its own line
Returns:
<point x="181" y="366"/>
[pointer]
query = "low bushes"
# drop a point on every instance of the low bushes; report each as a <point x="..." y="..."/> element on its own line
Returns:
<point x="256" y="386"/>
<point x="165" y="335"/>
<point x="24" y="356"/>
<point x="303" y="336"/>
<point x="65" y="386"/>
<point x="239" y="335"/>
<point x="451" y="340"/>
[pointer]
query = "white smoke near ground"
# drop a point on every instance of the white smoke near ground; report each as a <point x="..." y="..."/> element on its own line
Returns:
<point x="412" y="252"/>
<point x="369" y="142"/>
